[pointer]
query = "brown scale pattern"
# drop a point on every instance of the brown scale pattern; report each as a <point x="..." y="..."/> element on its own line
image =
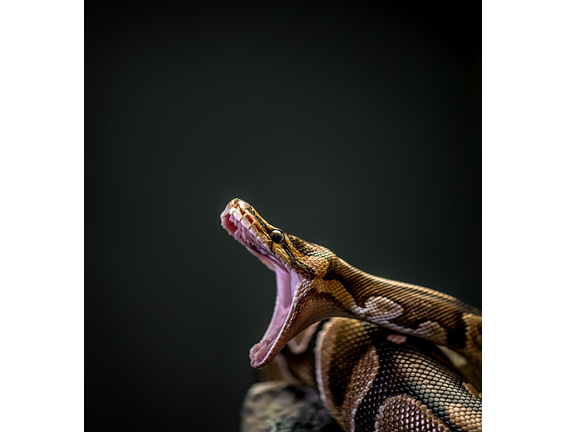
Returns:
<point x="410" y="309"/>
<point x="440" y="388"/>
<point x="370" y="383"/>
<point x="404" y="413"/>
<point x="346" y="364"/>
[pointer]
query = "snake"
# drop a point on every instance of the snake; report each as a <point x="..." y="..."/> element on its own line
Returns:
<point x="383" y="355"/>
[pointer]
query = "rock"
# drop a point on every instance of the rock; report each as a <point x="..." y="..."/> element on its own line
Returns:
<point x="278" y="406"/>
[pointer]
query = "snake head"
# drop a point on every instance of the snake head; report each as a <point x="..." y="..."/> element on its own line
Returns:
<point x="298" y="265"/>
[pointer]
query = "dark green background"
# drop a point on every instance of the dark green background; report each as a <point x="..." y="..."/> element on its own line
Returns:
<point x="359" y="129"/>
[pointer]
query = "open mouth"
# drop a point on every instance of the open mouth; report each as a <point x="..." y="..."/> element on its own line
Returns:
<point x="239" y="221"/>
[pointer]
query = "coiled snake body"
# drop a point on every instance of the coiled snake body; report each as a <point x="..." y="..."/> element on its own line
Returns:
<point x="375" y="349"/>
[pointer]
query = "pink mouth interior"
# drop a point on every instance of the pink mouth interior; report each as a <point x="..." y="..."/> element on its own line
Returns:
<point x="287" y="282"/>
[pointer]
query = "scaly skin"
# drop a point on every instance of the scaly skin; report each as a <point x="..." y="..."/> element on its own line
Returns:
<point x="372" y="356"/>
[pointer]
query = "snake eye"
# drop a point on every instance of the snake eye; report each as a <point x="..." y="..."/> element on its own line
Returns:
<point x="277" y="236"/>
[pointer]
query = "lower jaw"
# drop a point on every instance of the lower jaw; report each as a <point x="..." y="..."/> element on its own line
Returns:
<point x="262" y="353"/>
<point x="259" y="352"/>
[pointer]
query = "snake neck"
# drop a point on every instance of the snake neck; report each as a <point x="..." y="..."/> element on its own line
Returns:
<point x="409" y="309"/>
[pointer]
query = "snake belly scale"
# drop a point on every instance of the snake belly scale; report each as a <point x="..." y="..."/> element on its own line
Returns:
<point x="380" y="353"/>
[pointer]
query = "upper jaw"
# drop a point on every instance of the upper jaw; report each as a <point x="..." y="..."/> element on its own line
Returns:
<point x="241" y="221"/>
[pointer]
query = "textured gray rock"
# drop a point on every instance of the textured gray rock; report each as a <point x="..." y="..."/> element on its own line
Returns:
<point x="278" y="406"/>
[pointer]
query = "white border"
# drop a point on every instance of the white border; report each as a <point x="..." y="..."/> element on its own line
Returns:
<point x="524" y="213"/>
<point x="41" y="216"/>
